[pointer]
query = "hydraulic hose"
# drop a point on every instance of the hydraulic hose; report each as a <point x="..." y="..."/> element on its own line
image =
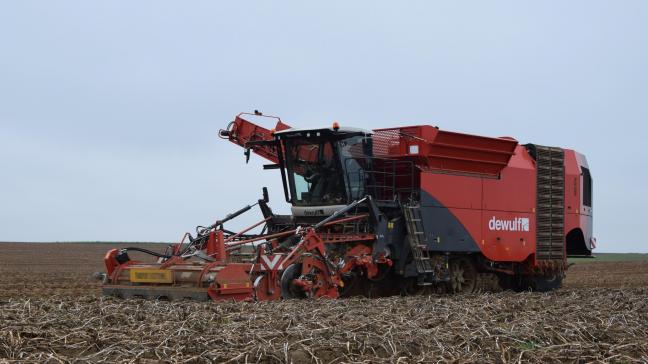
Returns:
<point x="233" y="215"/>
<point x="159" y="255"/>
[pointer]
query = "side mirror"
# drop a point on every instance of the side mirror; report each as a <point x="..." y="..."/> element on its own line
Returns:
<point x="266" y="198"/>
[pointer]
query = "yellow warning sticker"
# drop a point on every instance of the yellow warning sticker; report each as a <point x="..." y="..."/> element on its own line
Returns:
<point x="151" y="276"/>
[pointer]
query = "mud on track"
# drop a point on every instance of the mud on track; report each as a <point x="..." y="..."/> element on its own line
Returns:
<point x="50" y="311"/>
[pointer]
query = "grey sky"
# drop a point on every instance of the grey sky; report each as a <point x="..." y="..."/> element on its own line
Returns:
<point x="109" y="111"/>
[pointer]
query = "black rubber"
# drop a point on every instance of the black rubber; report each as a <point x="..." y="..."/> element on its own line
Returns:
<point x="288" y="289"/>
<point x="546" y="284"/>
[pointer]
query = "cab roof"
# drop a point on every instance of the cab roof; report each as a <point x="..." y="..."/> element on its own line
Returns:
<point x="339" y="131"/>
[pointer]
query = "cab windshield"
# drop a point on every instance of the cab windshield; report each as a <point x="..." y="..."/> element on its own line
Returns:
<point x="314" y="173"/>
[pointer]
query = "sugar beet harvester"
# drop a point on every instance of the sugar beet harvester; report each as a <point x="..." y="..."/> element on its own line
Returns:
<point x="398" y="210"/>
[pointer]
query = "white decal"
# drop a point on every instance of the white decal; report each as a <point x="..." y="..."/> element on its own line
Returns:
<point x="515" y="224"/>
<point x="270" y="264"/>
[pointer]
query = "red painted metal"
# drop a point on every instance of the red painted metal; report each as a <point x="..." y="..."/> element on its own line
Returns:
<point x="477" y="180"/>
<point x="331" y="238"/>
<point x="176" y="247"/>
<point x="436" y="149"/>
<point x="246" y="230"/>
<point x="360" y="257"/>
<point x="242" y="131"/>
<point x="318" y="278"/>
<point x="110" y="261"/>
<point x="321" y="282"/>
<point x="232" y="282"/>
<point x="216" y="246"/>
<point x="267" y="287"/>
<point x="206" y="268"/>
<point x="232" y="245"/>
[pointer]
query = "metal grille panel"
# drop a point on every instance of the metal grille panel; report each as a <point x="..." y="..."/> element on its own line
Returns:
<point x="550" y="212"/>
<point x="384" y="140"/>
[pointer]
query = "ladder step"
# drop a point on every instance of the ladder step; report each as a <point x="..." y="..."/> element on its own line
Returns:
<point x="417" y="241"/>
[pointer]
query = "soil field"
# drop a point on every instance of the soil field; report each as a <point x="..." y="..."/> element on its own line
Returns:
<point x="52" y="311"/>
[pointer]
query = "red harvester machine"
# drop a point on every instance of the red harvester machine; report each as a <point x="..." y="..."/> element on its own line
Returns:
<point x="389" y="211"/>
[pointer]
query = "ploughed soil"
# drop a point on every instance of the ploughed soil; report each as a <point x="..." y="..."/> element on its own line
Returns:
<point x="51" y="310"/>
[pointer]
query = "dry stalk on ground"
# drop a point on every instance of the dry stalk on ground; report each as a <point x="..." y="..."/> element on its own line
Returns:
<point x="583" y="325"/>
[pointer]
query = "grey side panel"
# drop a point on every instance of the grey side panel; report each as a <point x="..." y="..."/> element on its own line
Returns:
<point x="443" y="231"/>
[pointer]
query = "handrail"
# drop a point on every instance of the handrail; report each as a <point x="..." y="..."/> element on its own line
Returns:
<point x="380" y="177"/>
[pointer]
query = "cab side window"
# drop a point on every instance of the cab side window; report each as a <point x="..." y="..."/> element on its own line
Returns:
<point x="587" y="187"/>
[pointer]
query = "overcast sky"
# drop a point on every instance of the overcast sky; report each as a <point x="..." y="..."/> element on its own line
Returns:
<point x="109" y="110"/>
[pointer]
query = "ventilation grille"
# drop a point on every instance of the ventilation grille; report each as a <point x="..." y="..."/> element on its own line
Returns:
<point x="550" y="214"/>
<point x="384" y="141"/>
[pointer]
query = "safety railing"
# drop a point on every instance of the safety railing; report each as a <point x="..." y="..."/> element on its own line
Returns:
<point x="382" y="178"/>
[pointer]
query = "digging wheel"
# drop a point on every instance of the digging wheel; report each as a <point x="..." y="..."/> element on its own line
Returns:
<point x="463" y="276"/>
<point x="288" y="287"/>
